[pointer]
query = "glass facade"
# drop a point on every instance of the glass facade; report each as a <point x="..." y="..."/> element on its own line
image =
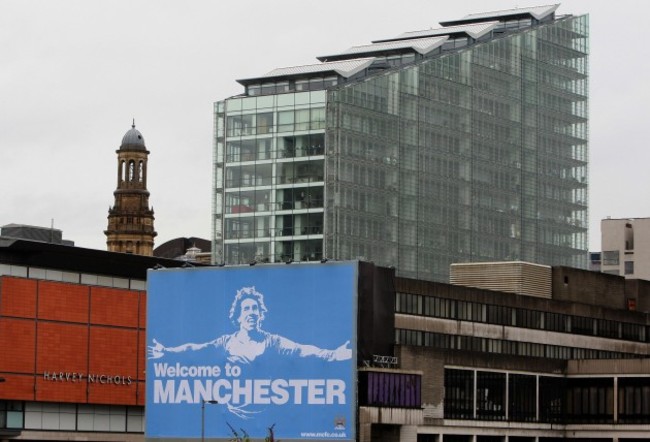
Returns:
<point x="476" y="154"/>
<point x="269" y="178"/>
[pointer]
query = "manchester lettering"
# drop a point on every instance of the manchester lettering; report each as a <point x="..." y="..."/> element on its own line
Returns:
<point x="250" y="391"/>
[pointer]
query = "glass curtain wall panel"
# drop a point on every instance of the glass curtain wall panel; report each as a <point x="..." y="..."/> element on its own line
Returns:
<point x="477" y="155"/>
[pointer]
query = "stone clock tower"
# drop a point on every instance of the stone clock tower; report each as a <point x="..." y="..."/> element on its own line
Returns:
<point x="130" y="220"/>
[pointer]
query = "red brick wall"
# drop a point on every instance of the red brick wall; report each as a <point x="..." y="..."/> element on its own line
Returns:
<point x="59" y="301"/>
<point x="17" y="387"/>
<point x="61" y="347"/>
<point x="17" y="343"/>
<point x="114" y="307"/>
<point x="49" y="327"/>
<point x="120" y="344"/>
<point x="18" y="297"/>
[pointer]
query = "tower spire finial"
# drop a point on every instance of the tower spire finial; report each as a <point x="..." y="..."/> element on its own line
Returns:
<point x="133" y="125"/>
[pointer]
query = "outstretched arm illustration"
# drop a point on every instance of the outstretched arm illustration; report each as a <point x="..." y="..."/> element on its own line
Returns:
<point x="287" y="346"/>
<point x="158" y="350"/>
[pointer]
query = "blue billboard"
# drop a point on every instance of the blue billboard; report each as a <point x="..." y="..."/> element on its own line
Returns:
<point x="257" y="351"/>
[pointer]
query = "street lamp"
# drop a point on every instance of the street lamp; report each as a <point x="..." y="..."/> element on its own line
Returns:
<point x="203" y="402"/>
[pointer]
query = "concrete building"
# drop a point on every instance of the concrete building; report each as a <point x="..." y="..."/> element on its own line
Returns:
<point x="462" y="143"/>
<point x="498" y="366"/>
<point x="625" y="245"/>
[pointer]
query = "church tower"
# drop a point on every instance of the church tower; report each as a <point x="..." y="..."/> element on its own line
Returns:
<point x="130" y="220"/>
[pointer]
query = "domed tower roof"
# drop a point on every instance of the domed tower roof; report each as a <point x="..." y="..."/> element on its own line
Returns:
<point x="133" y="139"/>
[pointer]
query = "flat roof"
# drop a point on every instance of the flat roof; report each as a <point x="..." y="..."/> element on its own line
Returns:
<point x="78" y="259"/>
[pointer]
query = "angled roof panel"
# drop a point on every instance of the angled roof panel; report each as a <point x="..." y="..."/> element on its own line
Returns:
<point x="537" y="12"/>
<point x="473" y="30"/>
<point x="346" y="69"/>
<point x="343" y="68"/>
<point x="420" y="45"/>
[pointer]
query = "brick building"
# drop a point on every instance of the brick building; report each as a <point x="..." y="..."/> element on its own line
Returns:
<point x="72" y="325"/>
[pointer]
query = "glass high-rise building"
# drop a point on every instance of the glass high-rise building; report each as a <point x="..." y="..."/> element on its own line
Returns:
<point x="458" y="144"/>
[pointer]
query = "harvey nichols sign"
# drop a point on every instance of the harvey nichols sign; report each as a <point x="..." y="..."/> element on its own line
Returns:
<point x="60" y="376"/>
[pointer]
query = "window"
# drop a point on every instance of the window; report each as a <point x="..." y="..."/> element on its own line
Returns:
<point x="134" y="419"/>
<point x="267" y="88"/>
<point x="633" y="400"/>
<point x="607" y="328"/>
<point x="408" y="303"/>
<point x="104" y="418"/>
<point x="610" y="257"/>
<point x="254" y="89"/>
<point x="408" y="337"/>
<point x="439" y="340"/>
<point x="522" y="395"/>
<point x="50" y="416"/>
<point x="437" y="307"/>
<point x="582" y="326"/>
<point x="318" y="118"/>
<point x="470" y="311"/>
<point x="551" y="398"/>
<point x="490" y="395"/>
<point x="285" y="121"/>
<point x="302" y="119"/>
<point x="315" y="84"/>
<point x="470" y="343"/>
<point x="590" y="400"/>
<point x="498" y="314"/>
<point x="530" y="349"/>
<point x="529" y="318"/>
<point x="633" y="332"/>
<point x="629" y="237"/>
<point x="264" y="123"/>
<point x="330" y="81"/>
<point x="11" y="414"/>
<point x="459" y="394"/>
<point x="629" y="267"/>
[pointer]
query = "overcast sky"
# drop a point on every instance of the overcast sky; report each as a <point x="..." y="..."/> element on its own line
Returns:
<point x="73" y="74"/>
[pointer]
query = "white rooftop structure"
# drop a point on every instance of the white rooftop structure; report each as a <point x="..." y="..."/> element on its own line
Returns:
<point x="345" y="69"/>
<point x="537" y="12"/>
<point x="472" y="30"/>
<point x="420" y="45"/>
